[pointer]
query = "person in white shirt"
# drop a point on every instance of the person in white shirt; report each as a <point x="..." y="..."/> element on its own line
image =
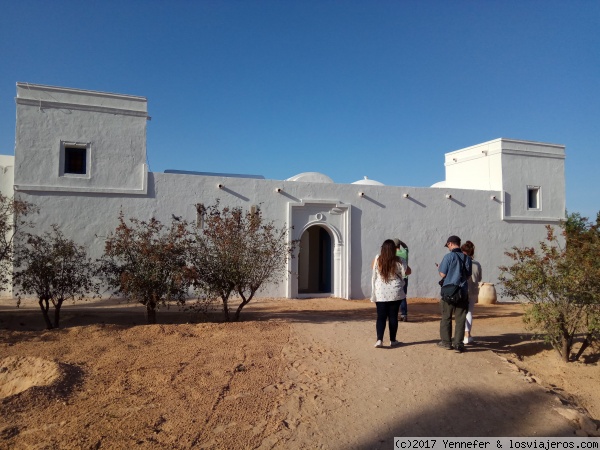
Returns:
<point x="387" y="283"/>
<point x="468" y="248"/>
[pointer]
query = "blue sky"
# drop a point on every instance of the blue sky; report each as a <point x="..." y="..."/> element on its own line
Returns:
<point x="346" y="88"/>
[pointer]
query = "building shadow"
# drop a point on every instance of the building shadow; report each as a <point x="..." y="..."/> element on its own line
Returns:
<point x="464" y="413"/>
<point x="27" y="322"/>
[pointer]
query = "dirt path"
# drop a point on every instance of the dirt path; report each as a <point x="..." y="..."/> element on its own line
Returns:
<point x="293" y="374"/>
<point x="347" y="394"/>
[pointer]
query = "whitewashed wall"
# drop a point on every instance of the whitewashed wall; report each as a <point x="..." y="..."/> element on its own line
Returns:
<point x="7" y="175"/>
<point x="526" y="164"/>
<point x="511" y="166"/>
<point x="475" y="167"/>
<point x="423" y="221"/>
<point x="114" y="125"/>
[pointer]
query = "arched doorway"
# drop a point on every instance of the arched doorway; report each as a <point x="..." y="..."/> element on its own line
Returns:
<point x="322" y="265"/>
<point x="315" y="261"/>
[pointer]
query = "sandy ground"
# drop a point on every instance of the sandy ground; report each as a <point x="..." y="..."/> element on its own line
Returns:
<point x="293" y="374"/>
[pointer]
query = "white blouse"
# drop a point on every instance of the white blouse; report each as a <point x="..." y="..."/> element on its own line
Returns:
<point x="392" y="290"/>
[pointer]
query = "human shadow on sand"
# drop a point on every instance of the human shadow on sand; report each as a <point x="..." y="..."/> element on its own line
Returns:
<point x="520" y="345"/>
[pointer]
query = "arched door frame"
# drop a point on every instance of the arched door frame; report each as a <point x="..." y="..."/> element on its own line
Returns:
<point x="335" y="218"/>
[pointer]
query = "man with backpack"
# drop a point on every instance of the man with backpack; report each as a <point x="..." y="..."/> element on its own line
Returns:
<point x="455" y="270"/>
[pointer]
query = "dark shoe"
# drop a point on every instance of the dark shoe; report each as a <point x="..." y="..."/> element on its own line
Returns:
<point x="403" y="318"/>
<point x="395" y="343"/>
<point x="444" y="345"/>
<point x="459" y="348"/>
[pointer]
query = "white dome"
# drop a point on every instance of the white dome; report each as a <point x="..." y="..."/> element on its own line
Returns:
<point x="311" y="177"/>
<point x="367" y="181"/>
<point x="439" y="184"/>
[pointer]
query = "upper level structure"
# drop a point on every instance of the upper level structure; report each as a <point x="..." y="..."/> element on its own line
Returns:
<point x="81" y="141"/>
<point x="529" y="175"/>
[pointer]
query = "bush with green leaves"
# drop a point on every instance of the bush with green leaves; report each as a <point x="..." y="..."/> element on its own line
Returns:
<point x="54" y="269"/>
<point x="145" y="262"/>
<point x="561" y="284"/>
<point x="236" y="253"/>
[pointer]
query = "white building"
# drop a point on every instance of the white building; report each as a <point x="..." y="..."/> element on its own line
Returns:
<point x="81" y="157"/>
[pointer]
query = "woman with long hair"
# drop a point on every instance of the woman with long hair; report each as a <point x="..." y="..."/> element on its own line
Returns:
<point x="387" y="292"/>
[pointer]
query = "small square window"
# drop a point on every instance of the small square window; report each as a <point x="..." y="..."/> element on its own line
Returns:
<point x="533" y="197"/>
<point x="76" y="160"/>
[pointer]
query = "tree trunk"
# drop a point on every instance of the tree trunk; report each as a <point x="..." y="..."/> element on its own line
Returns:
<point x="57" y="313"/>
<point x="150" y="313"/>
<point x="226" y="308"/>
<point x="566" y="350"/>
<point x="244" y="303"/>
<point x="45" y="312"/>
<point x="565" y="341"/>
<point x="236" y="317"/>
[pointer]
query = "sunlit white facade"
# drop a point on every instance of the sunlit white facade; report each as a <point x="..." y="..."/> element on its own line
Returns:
<point x="81" y="157"/>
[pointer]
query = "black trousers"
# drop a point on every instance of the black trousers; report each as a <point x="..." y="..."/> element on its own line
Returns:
<point x="387" y="312"/>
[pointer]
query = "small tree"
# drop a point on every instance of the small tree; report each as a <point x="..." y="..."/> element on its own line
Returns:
<point x="562" y="285"/>
<point x="146" y="263"/>
<point x="54" y="269"/>
<point x="12" y="219"/>
<point x="236" y="252"/>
